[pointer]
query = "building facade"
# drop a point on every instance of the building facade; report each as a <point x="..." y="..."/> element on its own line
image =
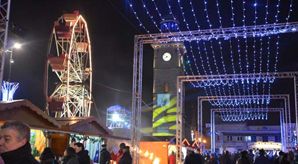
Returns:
<point x="167" y="66"/>
<point x="236" y="137"/>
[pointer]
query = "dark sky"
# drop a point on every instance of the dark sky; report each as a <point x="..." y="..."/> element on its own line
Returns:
<point x="112" y="48"/>
<point x="112" y="38"/>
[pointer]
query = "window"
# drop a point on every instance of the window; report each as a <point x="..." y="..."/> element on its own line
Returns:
<point x="229" y="138"/>
<point x="166" y="87"/>
<point x="239" y="138"/>
<point x="265" y="138"/>
<point x="253" y="138"/>
<point x="217" y="138"/>
<point x="277" y="139"/>
<point x="248" y="138"/>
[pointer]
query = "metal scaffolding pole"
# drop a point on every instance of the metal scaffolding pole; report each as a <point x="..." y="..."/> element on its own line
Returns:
<point x="286" y="114"/>
<point x="136" y="100"/>
<point x="208" y="34"/>
<point x="212" y="127"/>
<point x="4" y="23"/>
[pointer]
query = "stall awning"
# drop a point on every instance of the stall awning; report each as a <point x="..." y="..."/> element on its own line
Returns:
<point x="89" y="126"/>
<point x="25" y="111"/>
<point x="85" y="125"/>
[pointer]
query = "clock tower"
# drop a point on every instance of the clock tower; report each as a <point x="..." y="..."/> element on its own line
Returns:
<point x="167" y="65"/>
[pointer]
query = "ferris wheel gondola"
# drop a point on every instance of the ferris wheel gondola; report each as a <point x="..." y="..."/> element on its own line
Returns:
<point x="69" y="57"/>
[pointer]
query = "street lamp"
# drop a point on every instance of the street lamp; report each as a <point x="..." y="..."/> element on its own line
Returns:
<point x="17" y="45"/>
<point x="11" y="61"/>
<point x="8" y="88"/>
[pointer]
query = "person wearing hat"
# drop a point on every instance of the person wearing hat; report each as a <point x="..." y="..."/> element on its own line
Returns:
<point x="126" y="158"/>
<point x="105" y="156"/>
<point x="199" y="157"/>
<point x="191" y="156"/>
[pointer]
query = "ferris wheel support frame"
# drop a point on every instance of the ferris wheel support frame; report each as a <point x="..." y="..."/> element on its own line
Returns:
<point x="73" y="86"/>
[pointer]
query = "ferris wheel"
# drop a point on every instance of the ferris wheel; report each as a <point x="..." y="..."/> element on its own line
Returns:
<point x="69" y="57"/>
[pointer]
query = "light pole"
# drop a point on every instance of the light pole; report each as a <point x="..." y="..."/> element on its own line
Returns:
<point x="11" y="61"/>
<point x="8" y="88"/>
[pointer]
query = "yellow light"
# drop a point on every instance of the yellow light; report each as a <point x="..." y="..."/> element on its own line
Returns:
<point x="156" y="161"/>
<point x="146" y="154"/>
<point x="204" y="141"/>
<point x="151" y="156"/>
<point x="200" y="139"/>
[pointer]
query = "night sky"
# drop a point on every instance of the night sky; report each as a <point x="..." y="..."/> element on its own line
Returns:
<point x="112" y="27"/>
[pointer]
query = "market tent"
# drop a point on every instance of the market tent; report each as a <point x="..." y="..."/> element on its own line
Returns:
<point x="25" y="111"/>
<point x="85" y="125"/>
<point x="38" y="120"/>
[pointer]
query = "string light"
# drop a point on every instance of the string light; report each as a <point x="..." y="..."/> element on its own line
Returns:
<point x="151" y="17"/>
<point x="249" y="84"/>
<point x="157" y="10"/>
<point x="136" y="16"/>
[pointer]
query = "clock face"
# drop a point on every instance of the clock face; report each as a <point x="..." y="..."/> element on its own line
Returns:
<point x="166" y="56"/>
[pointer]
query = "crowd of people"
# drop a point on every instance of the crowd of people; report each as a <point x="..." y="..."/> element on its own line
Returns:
<point x="16" y="149"/>
<point x="244" y="157"/>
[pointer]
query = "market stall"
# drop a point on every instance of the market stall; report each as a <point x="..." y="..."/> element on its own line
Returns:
<point x="41" y="124"/>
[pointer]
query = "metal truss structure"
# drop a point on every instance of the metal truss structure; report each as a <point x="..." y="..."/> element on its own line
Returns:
<point x="285" y="98"/>
<point x="283" y="126"/>
<point x="226" y="33"/>
<point x="199" y="78"/>
<point x="4" y="23"/>
<point x="72" y="64"/>
<point x="208" y="34"/>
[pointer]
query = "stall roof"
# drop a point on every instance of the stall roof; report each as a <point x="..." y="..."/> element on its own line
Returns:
<point x="23" y="110"/>
<point x="87" y="125"/>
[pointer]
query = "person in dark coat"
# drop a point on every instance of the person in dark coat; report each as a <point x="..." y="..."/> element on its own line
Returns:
<point x="199" y="156"/>
<point x="278" y="159"/>
<point x="70" y="156"/>
<point x="226" y="159"/>
<point x="251" y="156"/>
<point x="212" y="160"/>
<point x="83" y="156"/>
<point x="244" y="159"/>
<point x="47" y="157"/>
<point x="126" y="158"/>
<point x="285" y="159"/>
<point x="262" y="159"/>
<point x="191" y="157"/>
<point x="14" y="143"/>
<point x="105" y="156"/>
